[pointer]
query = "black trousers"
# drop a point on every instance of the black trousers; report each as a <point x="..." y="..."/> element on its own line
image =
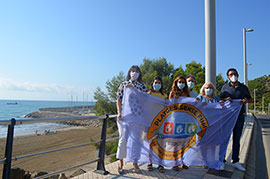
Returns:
<point x="237" y="131"/>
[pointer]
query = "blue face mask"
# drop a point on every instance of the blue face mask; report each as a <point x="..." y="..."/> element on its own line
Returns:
<point x="209" y="91"/>
<point x="181" y="85"/>
<point x="190" y="84"/>
<point x="156" y="86"/>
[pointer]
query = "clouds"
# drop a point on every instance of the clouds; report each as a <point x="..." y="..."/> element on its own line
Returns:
<point x="40" y="90"/>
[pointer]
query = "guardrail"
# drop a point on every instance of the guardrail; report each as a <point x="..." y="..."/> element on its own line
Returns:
<point x="10" y="136"/>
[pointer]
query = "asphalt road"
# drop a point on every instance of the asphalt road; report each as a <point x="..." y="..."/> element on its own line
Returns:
<point x="263" y="146"/>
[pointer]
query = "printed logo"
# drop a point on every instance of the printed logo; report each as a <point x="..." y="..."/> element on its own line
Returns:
<point x="168" y="128"/>
<point x="180" y="128"/>
<point x="183" y="125"/>
<point x="191" y="129"/>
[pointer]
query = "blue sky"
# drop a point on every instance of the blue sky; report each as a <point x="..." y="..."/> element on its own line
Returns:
<point x="52" y="49"/>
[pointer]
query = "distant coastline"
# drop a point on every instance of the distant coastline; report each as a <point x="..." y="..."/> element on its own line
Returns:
<point x="68" y="112"/>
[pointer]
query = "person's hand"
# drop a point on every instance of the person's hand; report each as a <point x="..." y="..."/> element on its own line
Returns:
<point x="229" y="99"/>
<point x="243" y="101"/>
<point x="197" y="100"/>
<point x="129" y="85"/>
<point x="221" y="101"/>
<point x="119" y="117"/>
<point x="204" y="103"/>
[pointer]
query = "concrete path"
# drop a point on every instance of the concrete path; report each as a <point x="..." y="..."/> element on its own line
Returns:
<point x="261" y="147"/>
<point x="195" y="172"/>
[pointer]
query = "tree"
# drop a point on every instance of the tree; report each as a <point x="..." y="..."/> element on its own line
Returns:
<point x="106" y="103"/>
<point x="113" y="85"/>
<point x="219" y="83"/>
<point x="151" y="68"/>
<point x="103" y="104"/>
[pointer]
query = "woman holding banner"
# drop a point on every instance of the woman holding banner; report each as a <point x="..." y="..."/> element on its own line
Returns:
<point x="208" y="94"/>
<point x="156" y="89"/>
<point x="133" y="79"/>
<point x="179" y="88"/>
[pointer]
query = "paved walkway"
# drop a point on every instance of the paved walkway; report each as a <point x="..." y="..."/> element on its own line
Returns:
<point x="195" y="172"/>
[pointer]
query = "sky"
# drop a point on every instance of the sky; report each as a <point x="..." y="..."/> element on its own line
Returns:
<point x="63" y="49"/>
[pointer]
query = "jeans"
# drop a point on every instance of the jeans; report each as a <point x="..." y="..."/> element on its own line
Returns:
<point x="237" y="131"/>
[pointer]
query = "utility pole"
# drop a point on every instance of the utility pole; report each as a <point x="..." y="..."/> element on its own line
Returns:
<point x="254" y="100"/>
<point x="262" y="104"/>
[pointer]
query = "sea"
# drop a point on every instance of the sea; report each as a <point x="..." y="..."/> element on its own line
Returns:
<point x="19" y="108"/>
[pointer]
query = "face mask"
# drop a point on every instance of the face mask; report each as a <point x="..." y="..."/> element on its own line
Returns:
<point x="134" y="75"/>
<point x="233" y="78"/>
<point x="156" y="86"/>
<point x="190" y="84"/>
<point x="181" y="85"/>
<point x="208" y="91"/>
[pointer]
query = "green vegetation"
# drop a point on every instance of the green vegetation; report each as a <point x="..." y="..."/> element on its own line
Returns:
<point x="105" y="102"/>
<point x="262" y="86"/>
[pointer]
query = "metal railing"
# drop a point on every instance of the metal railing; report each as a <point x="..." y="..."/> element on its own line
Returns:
<point x="10" y="136"/>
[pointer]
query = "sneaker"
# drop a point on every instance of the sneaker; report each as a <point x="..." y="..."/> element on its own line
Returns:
<point x="238" y="166"/>
<point x="222" y="167"/>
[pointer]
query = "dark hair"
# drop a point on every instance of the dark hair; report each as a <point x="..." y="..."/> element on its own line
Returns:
<point x="151" y="87"/>
<point x="137" y="69"/>
<point x="176" y="91"/>
<point x="232" y="69"/>
<point x="191" y="77"/>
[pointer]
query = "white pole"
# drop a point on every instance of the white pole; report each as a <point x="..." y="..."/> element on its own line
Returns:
<point x="254" y="101"/>
<point x="210" y="41"/>
<point x="262" y="104"/>
<point x="245" y="57"/>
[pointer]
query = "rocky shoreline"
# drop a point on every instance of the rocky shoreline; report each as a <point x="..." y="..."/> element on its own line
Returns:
<point x="69" y="112"/>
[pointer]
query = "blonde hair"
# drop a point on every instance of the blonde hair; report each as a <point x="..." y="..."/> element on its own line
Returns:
<point x="202" y="90"/>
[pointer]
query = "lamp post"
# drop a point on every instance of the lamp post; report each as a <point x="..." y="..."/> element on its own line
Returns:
<point x="245" y="59"/>
<point x="245" y="55"/>
<point x="262" y="104"/>
<point x="254" y="101"/>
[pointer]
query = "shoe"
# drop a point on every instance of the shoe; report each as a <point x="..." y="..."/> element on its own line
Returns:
<point x="184" y="166"/>
<point x="222" y="167"/>
<point x="161" y="169"/>
<point x="238" y="166"/>
<point x="176" y="168"/>
<point x="150" y="167"/>
<point x="120" y="170"/>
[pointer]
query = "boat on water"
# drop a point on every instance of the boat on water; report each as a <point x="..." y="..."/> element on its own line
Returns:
<point x="12" y="103"/>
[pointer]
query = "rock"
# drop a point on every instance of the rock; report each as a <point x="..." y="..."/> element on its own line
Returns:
<point x="17" y="173"/>
<point x="63" y="176"/>
<point x="38" y="173"/>
<point x="78" y="172"/>
<point x="27" y="175"/>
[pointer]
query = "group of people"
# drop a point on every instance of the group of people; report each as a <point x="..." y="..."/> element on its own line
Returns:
<point x="183" y="86"/>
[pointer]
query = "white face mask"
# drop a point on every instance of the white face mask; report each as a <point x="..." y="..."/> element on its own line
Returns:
<point x="233" y="79"/>
<point x="134" y="75"/>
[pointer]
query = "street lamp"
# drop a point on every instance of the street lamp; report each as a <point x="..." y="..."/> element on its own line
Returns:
<point x="245" y="55"/>
<point x="254" y="100"/>
<point x="245" y="59"/>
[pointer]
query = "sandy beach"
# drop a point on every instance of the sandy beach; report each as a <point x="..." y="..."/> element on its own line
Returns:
<point x="29" y="144"/>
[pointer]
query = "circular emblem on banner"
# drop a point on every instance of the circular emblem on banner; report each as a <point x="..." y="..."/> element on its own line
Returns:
<point x="176" y="129"/>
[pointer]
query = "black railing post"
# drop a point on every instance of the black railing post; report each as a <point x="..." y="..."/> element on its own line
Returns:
<point x="101" y="155"/>
<point x="8" y="152"/>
